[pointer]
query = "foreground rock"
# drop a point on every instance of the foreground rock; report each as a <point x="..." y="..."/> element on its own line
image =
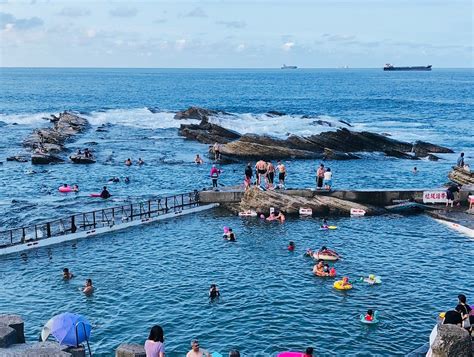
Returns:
<point x="48" y="143"/>
<point x="452" y="341"/>
<point x="461" y="176"/>
<point x="261" y="201"/>
<point x="332" y="145"/>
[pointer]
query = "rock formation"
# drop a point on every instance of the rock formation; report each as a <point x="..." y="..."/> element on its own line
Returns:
<point x="261" y="201"/>
<point x="49" y="142"/>
<point x="452" y="341"/>
<point x="461" y="176"/>
<point x="335" y="145"/>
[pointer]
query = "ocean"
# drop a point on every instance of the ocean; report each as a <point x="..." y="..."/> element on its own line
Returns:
<point x="160" y="273"/>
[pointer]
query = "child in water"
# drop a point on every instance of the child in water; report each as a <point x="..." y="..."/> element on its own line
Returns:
<point x="308" y="352"/>
<point x="325" y="224"/>
<point x="291" y="246"/>
<point x="345" y="281"/>
<point x="214" y="292"/>
<point x="369" y="316"/>
<point x="67" y="275"/>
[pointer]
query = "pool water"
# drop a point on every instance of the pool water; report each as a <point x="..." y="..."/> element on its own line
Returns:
<point x="160" y="274"/>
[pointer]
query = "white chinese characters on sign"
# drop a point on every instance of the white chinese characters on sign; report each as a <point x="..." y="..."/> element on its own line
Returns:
<point x="434" y="197"/>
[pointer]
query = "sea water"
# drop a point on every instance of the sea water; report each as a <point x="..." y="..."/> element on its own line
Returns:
<point x="270" y="300"/>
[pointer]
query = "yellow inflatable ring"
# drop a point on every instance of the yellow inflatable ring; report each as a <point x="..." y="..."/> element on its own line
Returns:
<point x="338" y="285"/>
<point x="442" y="314"/>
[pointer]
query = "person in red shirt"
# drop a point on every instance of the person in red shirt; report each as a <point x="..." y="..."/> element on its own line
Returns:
<point x="369" y="316"/>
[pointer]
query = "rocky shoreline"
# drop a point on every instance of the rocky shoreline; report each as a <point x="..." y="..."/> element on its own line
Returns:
<point x="341" y="144"/>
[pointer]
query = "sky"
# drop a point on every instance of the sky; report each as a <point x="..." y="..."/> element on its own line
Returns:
<point x="236" y="34"/>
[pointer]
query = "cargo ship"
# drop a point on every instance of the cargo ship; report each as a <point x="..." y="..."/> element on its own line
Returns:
<point x="391" y="67"/>
<point x="288" y="67"/>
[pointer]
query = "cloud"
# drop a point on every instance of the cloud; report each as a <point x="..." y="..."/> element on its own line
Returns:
<point x="196" y="12"/>
<point x="287" y="46"/>
<point x="8" y="22"/>
<point x="180" y="44"/>
<point x="338" y="38"/>
<point x="160" y="21"/>
<point x="74" y="12"/>
<point x="240" y="47"/>
<point x="123" y="12"/>
<point x="232" y="24"/>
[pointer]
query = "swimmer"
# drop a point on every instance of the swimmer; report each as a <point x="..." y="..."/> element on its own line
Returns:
<point x="369" y="316"/>
<point x="126" y="180"/>
<point x="345" y="282"/>
<point x="281" y="217"/>
<point x="65" y="185"/>
<point x="262" y="216"/>
<point x="88" y="288"/>
<point x="128" y="162"/>
<point x="198" y="160"/>
<point x="140" y="161"/>
<point x="326" y="268"/>
<point x="415" y="170"/>
<point x="318" y="269"/>
<point x="214" y="292"/>
<point x="309" y="352"/>
<point x="291" y="246"/>
<point x="231" y="235"/>
<point x="67" y="275"/>
<point x="325" y="224"/>
<point x="105" y="194"/>
<point x="271" y="217"/>
<point x="114" y="179"/>
<point x="309" y="252"/>
<point x="75" y="188"/>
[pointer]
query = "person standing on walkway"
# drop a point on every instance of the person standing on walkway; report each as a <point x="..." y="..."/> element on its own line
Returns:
<point x="214" y="176"/>
<point x="320" y="176"/>
<point x="281" y="174"/>
<point x="328" y="179"/>
<point x="460" y="162"/>
<point x="270" y="174"/>
<point x="261" y="167"/>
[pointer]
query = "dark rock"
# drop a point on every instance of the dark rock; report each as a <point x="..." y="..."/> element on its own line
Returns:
<point x="274" y="113"/>
<point x="452" y="341"/>
<point x="130" y="350"/>
<point x="16" y="323"/>
<point x="432" y="157"/>
<point x="7" y="336"/>
<point x="323" y="123"/>
<point x="347" y="123"/>
<point x="198" y="113"/>
<point x="154" y="110"/>
<point x="400" y="155"/>
<point x="18" y="158"/>
<point x="44" y="159"/>
<point x="431" y="148"/>
<point x="207" y="133"/>
<point x="330" y="154"/>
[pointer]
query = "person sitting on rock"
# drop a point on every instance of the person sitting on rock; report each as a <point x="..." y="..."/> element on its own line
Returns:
<point x="87" y="153"/>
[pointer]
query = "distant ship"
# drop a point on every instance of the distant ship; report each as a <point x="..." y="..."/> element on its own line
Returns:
<point x="288" y="67"/>
<point x="391" y="67"/>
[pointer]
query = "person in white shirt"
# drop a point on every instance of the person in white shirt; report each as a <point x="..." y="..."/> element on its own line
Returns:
<point x="328" y="179"/>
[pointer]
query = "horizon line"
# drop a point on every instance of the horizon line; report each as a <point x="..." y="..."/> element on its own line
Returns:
<point x="118" y="67"/>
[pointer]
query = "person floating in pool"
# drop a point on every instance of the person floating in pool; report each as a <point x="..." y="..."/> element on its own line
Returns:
<point x="325" y="224"/>
<point x="128" y="162"/>
<point x="345" y="282"/>
<point x="88" y="288"/>
<point x="198" y="160"/>
<point x="291" y="246"/>
<point x="105" y="194"/>
<point x="318" y="269"/>
<point x="369" y="316"/>
<point x="140" y="161"/>
<point x="67" y="275"/>
<point x="214" y="292"/>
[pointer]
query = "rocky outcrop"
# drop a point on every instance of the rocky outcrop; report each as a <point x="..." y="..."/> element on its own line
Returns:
<point x="452" y="341"/>
<point x="261" y="201"/>
<point x="461" y="176"/>
<point x="335" y="145"/>
<point x="207" y="133"/>
<point x="198" y="113"/>
<point x="49" y="142"/>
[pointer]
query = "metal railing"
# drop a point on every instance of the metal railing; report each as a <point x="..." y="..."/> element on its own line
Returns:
<point x="110" y="216"/>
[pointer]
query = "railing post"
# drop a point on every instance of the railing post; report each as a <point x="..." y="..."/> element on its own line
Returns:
<point x="149" y="209"/>
<point x="166" y="204"/>
<point x="73" y="224"/>
<point x="11" y="236"/>
<point x="48" y="230"/>
<point x="93" y="218"/>
<point x="131" y="211"/>
<point x="113" y="215"/>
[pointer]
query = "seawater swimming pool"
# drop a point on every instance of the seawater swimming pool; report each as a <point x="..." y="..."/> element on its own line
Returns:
<point x="270" y="300"/>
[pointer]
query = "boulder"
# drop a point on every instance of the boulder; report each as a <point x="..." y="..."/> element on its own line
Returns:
<point x="261" y="201"/>
<point x="460" y="176"/>
<point x="330" y="154"/>
<point x="400" y="155"/>
<point x="18" y="158"/>
<point x="430" y="148"/>
<point x="208" y="133"/>
<point x="452" y="341"/>
<point x="274" y="113"/>
<point x="44" y="159"/>
<point x="130" y="350"/>
<point x="16" y="323"/>
<point x="7" y="336"/>
<point x="198" y="113"/>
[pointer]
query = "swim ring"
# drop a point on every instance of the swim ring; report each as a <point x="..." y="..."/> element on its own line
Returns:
<point x="327" y="254"/>
<point x="338" y="285"/>
<point x="374" y="321"/>
<point x="372" y="279"/>
<point x="290" y="354"/>
<point x="65" y="189"/>
<point x="327" y="228"/>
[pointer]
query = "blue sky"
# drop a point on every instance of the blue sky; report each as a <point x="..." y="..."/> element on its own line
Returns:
<point x="318" y="33"/>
